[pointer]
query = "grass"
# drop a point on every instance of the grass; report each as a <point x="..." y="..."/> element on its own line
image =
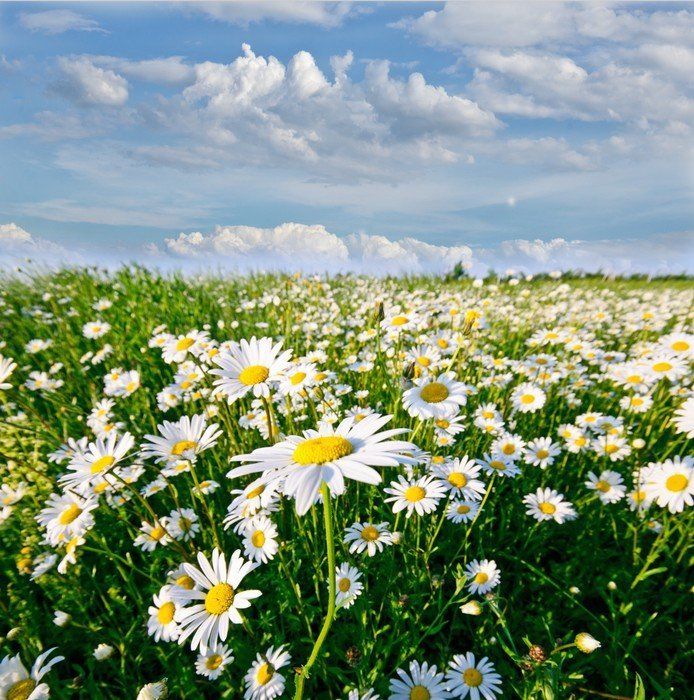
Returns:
<point x="607" y="572"/>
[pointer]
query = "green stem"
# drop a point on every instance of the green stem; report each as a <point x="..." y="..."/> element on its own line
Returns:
<point x="327" y="623"/>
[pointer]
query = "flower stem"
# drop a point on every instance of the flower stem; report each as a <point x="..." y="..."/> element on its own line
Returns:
<point x="327" y="623"/>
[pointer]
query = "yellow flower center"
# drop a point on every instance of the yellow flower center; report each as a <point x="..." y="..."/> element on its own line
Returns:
<point x="258" y="538"/>
<point x="264" y="674"/>
<point x="184" y="344"/>
<point x="527" y="398"/>
<point x="369" y="533"/>
<point x="443" y="423"/>
<point x="214" y="662"/>
<point x="183" y="446"/>
<point x="434" y="392"/>
<point x="542" y="454"/>
<point x="297" y="378"/>
<point x="21" y="690"/>
<point x="424" y="360"/>
<point x="344" y="584"/>
<point x="322" y="449"/>
<point x="462" y="509"/>
<point x="400" y="320"/>
<point x="157" y="533"/>
<point x="255" y="374"/>
<point x="71" y="513"/>
<point x="637" y="401"/>
<point x="102" y="463"/>
<point x="603" y="486"/>
<point x="680" y="346"/>
<point x="219" y="599"/>
<point x="472" y="678"/>
<point x="414" y="494"/>
<point x="548" y="508"/>
<point x="419" y="692"/>
<point x="442" y="343"/>
<point x="676" y="482"/>
<point x="611" y="448"/>
<point x="662" y="367"/>
<point x="638" y="496"/>
<point x="580" y="442"/>
<point x="481" y="578"/>
<point x="498" y="465"/>
<point x="457" y="479"/>
<point x="508" y="448"/>
<point x="165" y="614"/>
<point x="186" y="582"/>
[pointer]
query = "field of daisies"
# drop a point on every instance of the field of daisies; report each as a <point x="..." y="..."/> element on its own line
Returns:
<point x="348" y="488"/>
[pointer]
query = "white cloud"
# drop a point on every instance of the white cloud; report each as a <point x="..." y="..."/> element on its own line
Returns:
<point x="88" y="84"/>
<point x="58" y="21"/>
<point x="292" y="246"/>
<point x="323" y="14"/>
<point x="172" y="70"/>
<point x="17" y="245"/>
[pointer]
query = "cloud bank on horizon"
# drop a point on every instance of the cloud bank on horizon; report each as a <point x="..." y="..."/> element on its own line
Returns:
<point x="543" y="136"/>
<point x="292" y="247"/>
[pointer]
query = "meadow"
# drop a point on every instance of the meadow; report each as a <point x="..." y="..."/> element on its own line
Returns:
<point x="347" y="487"/>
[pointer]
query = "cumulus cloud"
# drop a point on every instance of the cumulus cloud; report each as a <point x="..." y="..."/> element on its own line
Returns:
<point x="171" y="70"/>
<point x="58" y="22"/>
<point x="18" y="245"/>
<point x="87" y="84"/>
<point x="322" y="14"/>
<point x="293" y="246"/>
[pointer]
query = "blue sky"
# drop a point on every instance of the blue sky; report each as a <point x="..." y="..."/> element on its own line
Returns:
<point x="374" y="136"/>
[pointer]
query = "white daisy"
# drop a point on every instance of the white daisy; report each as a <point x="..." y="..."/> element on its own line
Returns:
<point x="548" y="504"/>
<point x="176" y="349"/>
<point x="372" y="537"/>
<point x="7" y="366"/>
<point x="328" y="455"/>
<point x="97" y="460"/>
<point x="249" y="367"/>
<point x="260" y="539"/>
<point x="462" y="511"/>
<point x="152" y="535"/>
<point x="684" y="418"/>
<point x="66" y="516"/>
<point x="16" y="683"/>
<point x="527" y="398"/>
<point x="215" y="600"/>
<point x="435" y="397"/>
<point x="484" y="575"/>
<point x="609" y="486"/>
<point x="161" y="623"/>
<point x="421" y="683"/>
<point x="348" y="585"/>
<point x="460" y="478"/>
<point x="182" y="440"/>
<point x="263" y="682"/>
<point x="671" y="484"/>
<point x="415" y="495"/>
<point x="466" y="676"/>
<point x="541" y="452"/>
<point x="183" y="524"/>
<point x="212" y="663"/>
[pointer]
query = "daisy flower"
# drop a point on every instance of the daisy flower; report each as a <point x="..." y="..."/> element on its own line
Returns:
<point x="66" y="516"/>
<point x="214" y="661"/>
<point x="684" y="418"/>
<point x="260" y="539"/>
<point x="97" y="460"/>
<point x="263" y="682"/>
<point x="249" y="367"/>
<point x="368" y="694"/>
<point x="176" y="349"/>
<point x="498" y="463"/>
<point x="435" y="397"/>
<point x="415" y="495"/>
<point x="182" y="440"/>
<point x="484" y="575"/>
<point x="7" y="366"/>
<point x="152" y="535"/>
<point x="9" y="495"/>
<point x="18" y="683"/>
<point x="371" y="537"/>
<point x="671" y="484"/>
<point x="548" y="504"/>
<point x="423" y="682"/>
<point x="297" y="379"/>
<point x="183" y="524"/>
<point x="527" y="398"/>
<point x="476" y="678"/>
<point x="329" y="455"/>
<point x="161" y="623"/>
<point x="216" y="599"/>
<point x="509" y="445"/>
<point x="460" y="478"/>
<point x="609" y="485"/>
<point x="541" y="452"/>
<point x="462" y="511"/>
<point x="348" y="585"/>
<point x="95" y="329"/>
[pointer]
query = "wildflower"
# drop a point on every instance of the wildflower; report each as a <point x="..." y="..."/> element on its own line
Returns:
<point x="18" y="683"/>
<point x="423" y="682"/>
<point x="263" y="682"/>
<point x="586" y="643"/>
<point x="415" y="495"/>
<point x="260" y="539"/>
<point x="609" y="485"/>
<point x="483" y="575"/>
<point x="548" y="504"/>
<point x="212" y="663"/>
<point x="103" y="652"/>
<point x="372" y="537"/>
<point x="467" y="676"/>
<point x="435" y="397"/>
<point x="347" y="584"/>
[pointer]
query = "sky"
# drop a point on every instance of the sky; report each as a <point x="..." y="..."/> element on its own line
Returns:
<point x="369" y="137"/>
